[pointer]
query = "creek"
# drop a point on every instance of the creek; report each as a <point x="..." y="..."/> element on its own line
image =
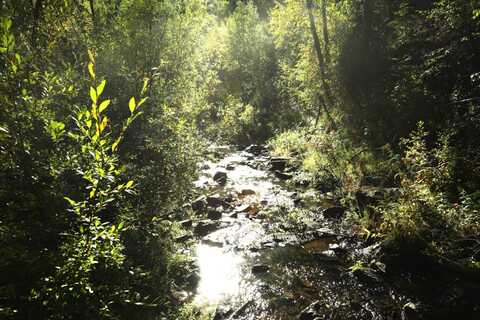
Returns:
<point x="265" y="249"/>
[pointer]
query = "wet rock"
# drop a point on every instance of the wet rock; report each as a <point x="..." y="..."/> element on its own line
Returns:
<point x="230" y="167"/>
<point x="204" y="167"/>
<point x="220" y="177"/>
<point x="186" y="223"/>
<point x="334" y="212"/>
<point x="282" y="176"/>
<point x="247" y="192"/>
<point x="214" y="214"/>
<point x="278" y="163"/>
<point x="234" y="215"/>
<point x="215" y="200"/>
<point x="199" y="205"/>
<point x="259" y="268"/>
<point x="254" y="149"/>
<point x="302" y="180"/>
<point x="296" y="199"/>
<point x="212" y="243"/>
<point x="222" y="313"/>
<point x="205" y="227"/>
<point x="183" y="238"/>
<point x="312" y="312"/>
<point x="243" y="208"/>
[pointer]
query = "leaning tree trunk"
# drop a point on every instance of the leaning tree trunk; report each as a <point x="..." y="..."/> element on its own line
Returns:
<point x="321" y="63"/>
<point x="326" y="38"/>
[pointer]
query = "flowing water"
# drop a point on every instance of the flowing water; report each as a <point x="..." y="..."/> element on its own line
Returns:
<point x="255" y="267"/>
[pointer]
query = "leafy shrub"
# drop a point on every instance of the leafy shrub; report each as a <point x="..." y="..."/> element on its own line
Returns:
<point x="428" y="210"/>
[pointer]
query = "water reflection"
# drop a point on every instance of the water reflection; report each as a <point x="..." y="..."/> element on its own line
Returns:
<point x="220" y="274"/>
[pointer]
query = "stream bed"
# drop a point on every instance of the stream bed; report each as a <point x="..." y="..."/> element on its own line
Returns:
<point x="256" y="261"/>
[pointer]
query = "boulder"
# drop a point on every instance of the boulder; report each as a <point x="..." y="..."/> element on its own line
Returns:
<point x="334" y="212"/>
<point x="215" y="200"/>
<point x="199" y="205"/>
<point x="222" y="313"/>
<point x="183" y="238"/>
<point x="278" y="163"/>
<point x="214" y="214"/>
<point x="230" y="167"/>
<point x="254" y="149"/>
<point x="282" y="176"/>
<point x="259" y="268"/>
<point x="243" y="208"/>
<point x="247" y="192"/>
<point x="186" y="223"/>
<point x="205" y="227"/>
<point x="220" y="177"/>
<point x="312" y="312"/>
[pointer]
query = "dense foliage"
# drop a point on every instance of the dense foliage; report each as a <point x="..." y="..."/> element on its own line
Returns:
<point x="105" y="107"/>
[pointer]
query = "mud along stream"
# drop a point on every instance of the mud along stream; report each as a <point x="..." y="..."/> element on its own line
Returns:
<point x="267" y="249"/>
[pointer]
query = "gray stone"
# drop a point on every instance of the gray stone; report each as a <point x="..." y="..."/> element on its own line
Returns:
<point x="282" y="176"/>
<point x="215" y="200"/>
<point x="220" y="177"/>
<point x="259" y="268"/>
<point x="186" y="223"/>
<point x="199" y="205"/>
<point x="205" y="227"/>
<point x="334" y="212"/>
<point x="214" y="214"/>
<point x="254" y="149"/>
<point x="278" y="163"/>
<point x="183" y="238"/>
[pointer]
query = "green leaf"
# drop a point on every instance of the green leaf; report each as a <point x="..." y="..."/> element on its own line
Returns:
<point x="103" y="106"/>
<point x="131" y="104"/>
<point x="116" y="143"/>
<point x="91" y="56"/>
<point x="146" y="81"/>
<point x="120" y="226"/>
<point x="100" y="87"/>
<point x="103" y="124"/>
<point x="91" y="70"/>
<point x="142" y="101"/>
<point x="93" y="95"/>
<point x="70" y="201"/>
<point x="7" y="23"/>
<point x="129" y="184"/>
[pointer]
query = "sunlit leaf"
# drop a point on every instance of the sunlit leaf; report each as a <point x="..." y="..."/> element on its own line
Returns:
<point x="70" y="201"/>
<point x="103" y="124"/>
<point x="131" y="104"/>
<point x="116" y="143"/>
<point x="129" y="184"/>
<point x="91" y="70"/>
<point x="146" y="81"/>
<point x="100" y="88"/>
<point x="91" y="56"/>
<point x="103" y="106"/>
<point x="142" y="101"/>
<point x="93" y="94"/>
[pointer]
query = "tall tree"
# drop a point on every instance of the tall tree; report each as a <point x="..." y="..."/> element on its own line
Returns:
<point x="326" y="100"/>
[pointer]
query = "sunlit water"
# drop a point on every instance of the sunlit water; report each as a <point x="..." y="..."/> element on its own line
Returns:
<point x="219" y="274"/>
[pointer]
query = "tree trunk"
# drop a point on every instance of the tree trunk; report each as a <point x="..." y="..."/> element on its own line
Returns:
<point x="92" y="11"/>
<point x="37" y="11"/>
<point x="321" y="63"/>
<point x="326" y="39"/>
